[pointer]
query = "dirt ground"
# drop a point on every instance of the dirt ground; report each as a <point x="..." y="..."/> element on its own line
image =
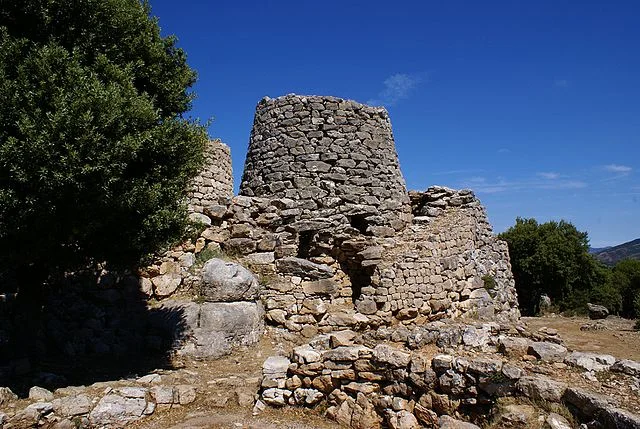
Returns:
<point x="615" y="335"/>
<point x="217" y="404"/>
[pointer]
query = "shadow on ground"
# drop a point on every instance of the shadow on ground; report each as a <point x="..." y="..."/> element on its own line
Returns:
<point x="89" y="331"/>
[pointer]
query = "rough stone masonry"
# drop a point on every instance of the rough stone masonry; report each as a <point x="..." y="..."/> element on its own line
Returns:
<point x="325" y="219"/>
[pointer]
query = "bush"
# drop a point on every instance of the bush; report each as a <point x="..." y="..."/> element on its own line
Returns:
<point x="95" y="154"/>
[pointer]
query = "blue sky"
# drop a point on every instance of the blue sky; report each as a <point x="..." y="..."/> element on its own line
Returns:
<point x="535" y="105"/>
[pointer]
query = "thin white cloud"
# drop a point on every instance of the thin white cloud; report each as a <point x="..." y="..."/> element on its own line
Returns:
<point x="396" y="87"/>
<point x="462" y="171"/>
<point x="616" y="168"/>
<point x="549" y="175"/>
<point x="503" y="185"/>
<point x="504" y="150"/>
<point x="561" y="83"/>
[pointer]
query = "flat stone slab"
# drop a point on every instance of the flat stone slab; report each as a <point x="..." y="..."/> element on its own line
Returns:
<point x="547" y="352"/>
<point x="590" y="361"/>
<point x="303" y="268"/>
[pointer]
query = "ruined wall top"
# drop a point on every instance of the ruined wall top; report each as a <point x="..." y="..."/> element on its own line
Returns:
<point x="336" y="157"/>
<point x="214" y="181"/>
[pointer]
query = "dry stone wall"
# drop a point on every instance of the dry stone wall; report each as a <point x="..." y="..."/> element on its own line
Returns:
<point x="448" y="263"/>
<point x="335" y="157"/>
<point x="216" y="179"/>
<point x="325" y="221"/>
<point x="368" y="382"/>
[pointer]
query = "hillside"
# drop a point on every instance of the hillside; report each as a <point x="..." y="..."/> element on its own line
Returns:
<point x="612" y="255"/>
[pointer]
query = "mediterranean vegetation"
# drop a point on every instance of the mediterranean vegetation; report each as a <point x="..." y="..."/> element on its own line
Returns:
<point x="553" y="259"/>
<point x="95" y="149"/>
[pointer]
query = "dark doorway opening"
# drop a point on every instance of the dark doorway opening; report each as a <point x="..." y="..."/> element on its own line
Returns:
<point x="305" y="243"/>
<point x="359" y="222"/>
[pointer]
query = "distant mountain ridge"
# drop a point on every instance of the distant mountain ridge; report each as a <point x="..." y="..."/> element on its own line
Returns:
<point x="611" y="255"/>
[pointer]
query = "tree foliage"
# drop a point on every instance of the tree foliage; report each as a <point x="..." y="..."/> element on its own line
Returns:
<point x="95" y="154"/>
<point x="553" y="259"/>
<point x="625" y="278"/>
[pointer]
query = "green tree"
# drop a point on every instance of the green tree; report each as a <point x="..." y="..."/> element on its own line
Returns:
<point x="553" y="259"/>
<point x="95" y="154"/>
<point x="625" y="277"/>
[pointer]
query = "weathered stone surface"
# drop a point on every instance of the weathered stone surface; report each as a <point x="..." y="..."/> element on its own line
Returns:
<point x="37" y="393"/>
<point x="239" y="323"/>
<point x="388" y="355"/>
<point x="262" y="258"/>
<point x="613" y="417"/>
<point x="6" y="395"/>
<point x="166" y="284"/>
<point x="212" y="329"/>
<point x="590" y="361"/>
<point x="518" y="415"/>
<point x="276" y="366"/>
<point x="162" y="395"/>
<point x="306" y="354"/>
<point x="307" y="396"/>
<point x="200" y="219"/>
<point x="346" y="353"/>
<point x="541" y="388"/>
<point x="587" y="403"/>
<point x="627" y="366"/>
<point x="320" y="287"/>
<point x="556" y="421"/>
<point x="31" y="415"/>
<point x="114" y="410"/>
<point x="186" y="394"/>
<point x="227" y="281"/>
<point x="72" y="405"/>
<point x="214" y="181"/>
<point x="402" y="420"/>
<point x="447" y="422"/>
<point x="342" y="338"/>
<point x="548" y="352"/>
<point x="597" y="311"/>
<point x="276" y="397"/>
<point x="513" y="346"/>
<point x="303" y="268"/>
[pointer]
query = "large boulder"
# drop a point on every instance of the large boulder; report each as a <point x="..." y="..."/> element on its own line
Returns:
<point x="597" y="311"/>
<point x="211" y="329"/>
<point x="224" y="281"/>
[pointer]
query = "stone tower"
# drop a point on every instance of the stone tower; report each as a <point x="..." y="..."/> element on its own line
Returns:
<point x="337" y="158"/>
<point x="215" y="181"/>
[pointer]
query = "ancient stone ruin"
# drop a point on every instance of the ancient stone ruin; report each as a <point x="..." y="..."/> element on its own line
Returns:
<point x="401" y="306"/>
<point x="324" y="215"/>
<point x="215" y="180"/>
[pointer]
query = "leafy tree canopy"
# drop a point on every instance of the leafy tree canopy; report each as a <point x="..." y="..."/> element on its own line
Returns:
<point x="95" y="154"/>
<point x="625" y="277"/>
<point x="553" y="259"/>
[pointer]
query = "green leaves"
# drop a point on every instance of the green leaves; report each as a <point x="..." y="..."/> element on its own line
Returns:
<point x="550" y="258"/>
<point x="95" y="155"/>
